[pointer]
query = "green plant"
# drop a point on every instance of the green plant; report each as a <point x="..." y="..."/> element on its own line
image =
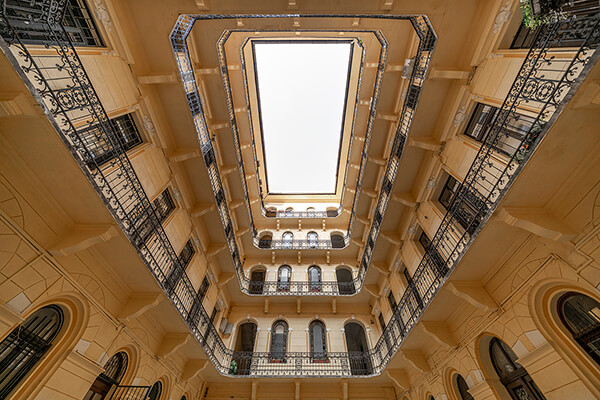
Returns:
<point x="532" y="20"/>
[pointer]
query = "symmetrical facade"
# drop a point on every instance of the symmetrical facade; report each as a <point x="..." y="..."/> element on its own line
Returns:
<point x="144" y="254"/>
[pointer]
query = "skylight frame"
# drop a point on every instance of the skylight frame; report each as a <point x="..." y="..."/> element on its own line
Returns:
<point x="344" y="114"/>
<point x="358" y="60"/>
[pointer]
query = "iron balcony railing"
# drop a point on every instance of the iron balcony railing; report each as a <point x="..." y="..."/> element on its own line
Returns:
<point x="427" y="40"/>
<point x="301" y="288"/>
<point x="545" y="82"/>
<point x="130" y="393"/>
<point x="241" y="165"/>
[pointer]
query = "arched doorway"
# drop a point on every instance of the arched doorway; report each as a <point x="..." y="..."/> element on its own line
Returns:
<point x="257" y="281"/>
<point x="344" y="281"/>
<point x="114" y="370"/>
<point x="512" y="375"/>
<point x="265" y="240"/>
<point x="26" y="345"/>
<point x="337" y="241"/>
<point x="244" y="348"/>
<point x="358" y="350"/>
<point x="581" y="315"/>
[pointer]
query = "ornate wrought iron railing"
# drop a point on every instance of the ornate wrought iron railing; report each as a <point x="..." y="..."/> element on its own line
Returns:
<point x="130" y="393"/>
<point x="302" y="288"/>
<point x="276" y="244"/>
<point x="427" y="40"/>
<point x="61" y="86"/>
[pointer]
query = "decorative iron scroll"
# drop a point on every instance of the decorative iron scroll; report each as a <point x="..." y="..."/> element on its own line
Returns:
<point x="63" y="89"/>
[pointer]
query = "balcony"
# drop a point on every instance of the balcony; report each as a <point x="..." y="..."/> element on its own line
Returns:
<point x="544" y="82"/>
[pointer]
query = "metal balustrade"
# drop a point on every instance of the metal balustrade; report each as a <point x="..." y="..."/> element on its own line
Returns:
<point x="427" y="40"/>
<point x="130" y="393"/>
<point x="545" y="83"/>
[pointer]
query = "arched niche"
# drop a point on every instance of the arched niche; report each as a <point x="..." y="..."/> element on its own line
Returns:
<point x="75" y="310"/>
<point x="544" y="298"/>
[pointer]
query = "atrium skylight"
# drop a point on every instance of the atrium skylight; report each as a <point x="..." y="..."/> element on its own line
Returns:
<point x="302" y="88"/>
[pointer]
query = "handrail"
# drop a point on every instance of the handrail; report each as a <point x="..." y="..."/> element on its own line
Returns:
<point x="543" y="82"/>
<point x="427" y="40"/>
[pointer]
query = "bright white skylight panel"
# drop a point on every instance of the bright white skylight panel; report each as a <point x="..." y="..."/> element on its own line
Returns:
<point x="302" y="90"/>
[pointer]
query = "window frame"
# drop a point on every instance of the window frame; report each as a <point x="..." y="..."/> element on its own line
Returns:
<point x="276" y="356"/>
<point x="318" y="357"/>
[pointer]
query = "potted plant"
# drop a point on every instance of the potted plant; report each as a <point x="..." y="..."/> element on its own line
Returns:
<point x="538" y="12"/>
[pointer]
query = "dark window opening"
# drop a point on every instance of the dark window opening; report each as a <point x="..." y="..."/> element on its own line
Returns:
<point x="265" y="241"/>
<point x="358" y="350"/>
<point x="392" y="301"/>
<point x="512" y="375"/>
<point x="284" y="276"/>
<point x="279" y="333"/>
<point x="244" y="348"/>
<point x="318" y="342"/>
<point x="344" y="281"/>
<point x="78" y="23"/>
<point x="26" y="345"/>
<point x="257" y="282"/>
<point x="100" y="142"/>
<point x="337" y="241"/>
<point x="463" y="388"/>
<point x="514" y="128"/>
<point x="468" y="211"/>
<point x="581" y="315"/>
<point x="434" y="256"/>
<point x="314" y="278"/>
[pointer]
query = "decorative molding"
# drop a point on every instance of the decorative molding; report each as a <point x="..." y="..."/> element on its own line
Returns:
<point x="460" y="116"/>
<point x="103" y="15"/>
<point x="502" y="17"/>
<point x="148" y="125"/>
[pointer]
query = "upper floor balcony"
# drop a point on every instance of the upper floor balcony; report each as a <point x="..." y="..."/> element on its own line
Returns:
<point x="544" y="82"/>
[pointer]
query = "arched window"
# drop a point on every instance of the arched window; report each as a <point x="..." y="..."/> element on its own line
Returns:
<point x="284" y="275"/>
<point x="318" y="342"/>
<point x="337" y="241"/>
<point x="289" y="212"/>
<point x="271" y="212"/>
<point x="265" y="241"/>
<point x="310" y="212"/>
<point x="257" y="281"/>
<point x="26" y="345"/>
<point x="279" y="333"/>
<point x="314" y="278"/>
<point x="512" y="374"/>
<point x="155" y="391"/>
<point x="463" y="388"/>
<point x="313" y="240"/>
<point x="287" y="240"/>
<point x="581" y="316"/>
<point x="345" y="281"/>
<point x="183" y="397"/>
<point x="358" y="350"/>
<point x="114" y="369"/>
